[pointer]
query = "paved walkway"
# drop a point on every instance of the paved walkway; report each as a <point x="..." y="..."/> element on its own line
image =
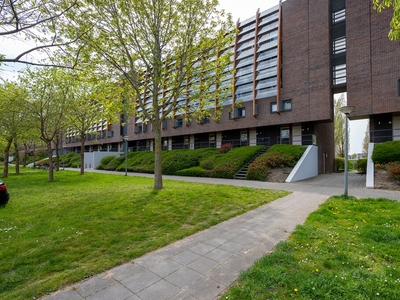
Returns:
<point x="204" y="265"/>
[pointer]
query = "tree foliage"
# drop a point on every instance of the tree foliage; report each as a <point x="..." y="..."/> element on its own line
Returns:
<point x="171" y="54"/>
<point x="340" y="127"/>
<point x="47" y="104"/>
<point x="366" y="140"/>
<point x="91" y="101"/>
<point x="14" y="121"/>
<point x="37" y="22"/>
<point x="379" y="5"/>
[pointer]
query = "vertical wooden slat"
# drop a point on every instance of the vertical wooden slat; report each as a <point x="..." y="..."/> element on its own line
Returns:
<point x="279" y="60"/>
<point x="255" y="114"/>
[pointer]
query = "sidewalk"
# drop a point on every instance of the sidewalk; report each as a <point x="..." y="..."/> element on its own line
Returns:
<point x="204" y="265"/>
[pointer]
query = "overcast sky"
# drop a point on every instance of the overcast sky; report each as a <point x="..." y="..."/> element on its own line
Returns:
<point x="242" y="9"/>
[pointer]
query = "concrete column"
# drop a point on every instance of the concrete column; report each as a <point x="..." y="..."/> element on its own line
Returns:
<point x="396" y="128"/>
<point x="218" y="140"/>
<point x="296" y="135"/>
<point x="252" y="137"/>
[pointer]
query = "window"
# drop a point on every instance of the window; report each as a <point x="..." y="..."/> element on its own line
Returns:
<point x="178" y="123"/>
<point x="238" y="112"/>
<point x="285" y="105"/>
<point x="204" y="120"/>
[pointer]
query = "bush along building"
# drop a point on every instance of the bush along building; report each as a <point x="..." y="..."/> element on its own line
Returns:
<point x="290" y="60"/>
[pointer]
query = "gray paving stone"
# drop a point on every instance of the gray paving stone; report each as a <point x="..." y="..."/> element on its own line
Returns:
<point x="165" y="267"/>
<point x="232" y="247"/>
<point x="239" y="263"/>
<point x="219" y="255"/>
<point x="224" y="275"/>
<point x="125" y="270"/>
<point x="244" y="239"/>
<point x="202" y="265"/>
<point x="116" y="291"/>
<point x="159" y="290"/>
<point x="215" y="241"/>
<point x="185" y="257"/>
<point x="205" y="288"/>
<point x="140" y="281"/>
<point x="149" y="260"/>
<point x="183" y="277"/>
<point x="95" y="284"/>
<point x="65" y="295"/>
<point x="201" y="248"/>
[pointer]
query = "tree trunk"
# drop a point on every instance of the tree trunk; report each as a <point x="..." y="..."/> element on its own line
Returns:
<point x="82" y="154"/>
<point x="50" y="154"/>
<point x="158" y="183"/>
<point x="56" y="144"/>
<point x="6" y="156"/>
<point x="16" y="156"/>
<point x="25" y="154"/>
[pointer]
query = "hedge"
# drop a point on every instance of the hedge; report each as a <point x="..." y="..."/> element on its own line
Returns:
<point x="386" y="152"/>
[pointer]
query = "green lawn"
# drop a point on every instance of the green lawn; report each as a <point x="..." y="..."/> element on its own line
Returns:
<point x="56" y="233"/>
<point x="347" y="249"/>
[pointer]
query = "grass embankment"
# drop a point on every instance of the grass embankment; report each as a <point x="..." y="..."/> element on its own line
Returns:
<point x="56" y="233"/>
<point x="347" y="249"/>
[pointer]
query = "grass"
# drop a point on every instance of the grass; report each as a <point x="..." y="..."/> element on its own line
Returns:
<point x="347" y="249"/>
<point x="56" y="233"/>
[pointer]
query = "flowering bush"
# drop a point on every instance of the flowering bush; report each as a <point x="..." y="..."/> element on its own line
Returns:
<point x="225" y="148"/>
<point x="260" y="168"/>
<point x="226" y="171"/>
<point x="394" y="169"/>
<point x="257" y="171"/>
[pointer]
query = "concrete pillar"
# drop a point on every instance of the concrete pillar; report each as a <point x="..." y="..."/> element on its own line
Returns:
<point x="396" y="128"/>
<point x="252" y="137"/>
<point x="296" y="135"/>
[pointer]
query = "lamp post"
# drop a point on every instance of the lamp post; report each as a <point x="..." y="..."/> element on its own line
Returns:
<point x="125" y="137"/>
<point x="346" y="110"/>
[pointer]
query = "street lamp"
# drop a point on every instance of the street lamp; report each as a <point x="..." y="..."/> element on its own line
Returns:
<point x="125" y="137"/>
<point x="346" y="110"/>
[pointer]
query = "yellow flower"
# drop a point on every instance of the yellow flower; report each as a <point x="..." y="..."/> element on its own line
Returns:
<point x="316" y="270"/>
<point x="296" y="290"/>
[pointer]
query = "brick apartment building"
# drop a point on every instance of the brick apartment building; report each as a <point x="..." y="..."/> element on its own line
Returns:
<point x="326" y="47"/>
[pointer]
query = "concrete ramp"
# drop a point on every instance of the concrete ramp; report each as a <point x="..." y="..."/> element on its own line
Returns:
<point x="306" y="167"/>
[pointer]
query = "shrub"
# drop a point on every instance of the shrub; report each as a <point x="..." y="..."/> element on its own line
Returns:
<point x="225" y="148"/>
<point x="296" y="151"/>
<point x="226" y="171"/>
<point x="260" y="168"/>
<point x="207" y="164"/>
<point x="362" y="165"/>
<point x="113" y="164"/>
<point x="179" y="160"/>
<point x="386" y="152"/>
<point x="394" y="169"/>
<point x="227" y="164"/>
<point x="106" y="159"/>
<point x="193" y="172"/>
<point x="339" y="163"/>
<point x="257" y="171"/>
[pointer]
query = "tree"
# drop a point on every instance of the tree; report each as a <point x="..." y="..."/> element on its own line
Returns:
<point x="12" y="119"/>
<point x="171" y="54"/>
<point x="379" y="5"/>
<point x="37" y="22"/>
<point x="366" y="140"/>
<point x="340" y="127"/>
<point x="91" y="102"/>
<point x="47" y="103"/>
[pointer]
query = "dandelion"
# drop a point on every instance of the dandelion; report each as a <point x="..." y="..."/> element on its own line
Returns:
<point x="296" y="290"/>
<point x="316" y="270"/>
